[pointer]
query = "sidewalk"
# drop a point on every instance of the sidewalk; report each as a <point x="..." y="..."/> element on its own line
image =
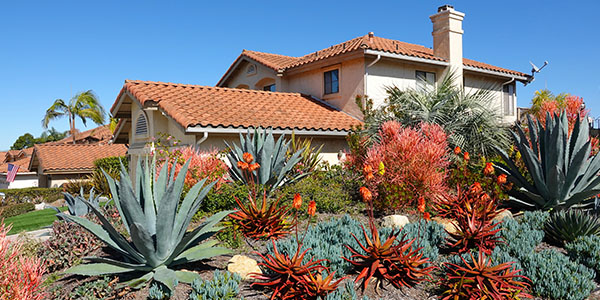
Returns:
<point x="41" y="235"/>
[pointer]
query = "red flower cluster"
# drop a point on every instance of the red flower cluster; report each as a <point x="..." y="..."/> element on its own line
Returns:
<point x="246" y="164"/>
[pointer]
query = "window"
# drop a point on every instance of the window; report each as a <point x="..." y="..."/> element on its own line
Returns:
<point x="332" y="84"/>
<point x="424" y="79"/>
<point x="269" y="88"/>
<point x="141" y="125"/>
<point x="508" y="99"/>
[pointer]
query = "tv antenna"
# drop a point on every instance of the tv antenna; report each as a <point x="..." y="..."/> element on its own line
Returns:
<point x="535" y="69"/>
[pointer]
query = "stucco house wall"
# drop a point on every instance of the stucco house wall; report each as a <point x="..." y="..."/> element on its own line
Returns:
<point x="21" y="181"/>
<point x="254" y="76"/>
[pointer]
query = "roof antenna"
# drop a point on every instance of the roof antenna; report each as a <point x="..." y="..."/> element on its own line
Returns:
<point x="535" y="69"/>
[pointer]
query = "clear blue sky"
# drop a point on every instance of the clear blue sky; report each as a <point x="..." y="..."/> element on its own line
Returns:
<point x="53" y="49"/>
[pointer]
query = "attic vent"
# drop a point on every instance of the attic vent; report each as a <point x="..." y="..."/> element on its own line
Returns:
<point x="141" y="125"/>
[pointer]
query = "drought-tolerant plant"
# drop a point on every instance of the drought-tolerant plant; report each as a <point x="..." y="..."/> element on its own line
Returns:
<point x="67" y="246"/>
<point x="347" y="292"/>
<point x="481" y="279"/>
<point x="159" y="291"/>
<point x="535" y="219"/>
<point x="16" y="209"/>
<point x="415" y="161"/>
<point x="98" y="289"/>
<point x="521" y="238"/>
<point x="262" y="221"/>
<point x="20" y="276"/>
<point x="566" y="226"/>
<point x="76" y="205"/>
<point x="563" y="172"/>
<point x="309" y="157"/>
<point x="276" y="168"/>
<point x="586" y="251"/>
<point x="157" y="222"/>
<point x="554" y="276"/>
<point x="223" y="286"/>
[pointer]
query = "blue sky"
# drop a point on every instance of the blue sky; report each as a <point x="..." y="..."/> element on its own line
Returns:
<point x="53" y="49"/>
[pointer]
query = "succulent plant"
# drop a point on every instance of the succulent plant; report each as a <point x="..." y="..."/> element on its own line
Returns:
<point x="276" y="168"/>
<point x="157" y="224"/>
<point x="223" y="286"/>
<point x="77" y="207"/>
<point x="563" y="172"/>
<point x="566" y="226"/>
<point x="262" y="222"/>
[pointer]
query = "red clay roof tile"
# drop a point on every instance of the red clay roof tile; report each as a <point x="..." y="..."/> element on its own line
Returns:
<point x="74" y="157"/>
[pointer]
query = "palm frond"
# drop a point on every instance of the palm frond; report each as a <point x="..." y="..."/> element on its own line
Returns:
<point x="56" y="110"/>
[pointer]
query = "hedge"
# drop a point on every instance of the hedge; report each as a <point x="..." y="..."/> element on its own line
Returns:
<point x="111" y="163"/>
<point x="34" y="195"/>
<point x="16" y="209"/>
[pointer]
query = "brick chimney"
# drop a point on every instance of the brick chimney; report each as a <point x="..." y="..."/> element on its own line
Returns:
<point x="447" y="38"/>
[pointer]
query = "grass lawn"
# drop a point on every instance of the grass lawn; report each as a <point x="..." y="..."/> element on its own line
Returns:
<point x="32" y="220"/>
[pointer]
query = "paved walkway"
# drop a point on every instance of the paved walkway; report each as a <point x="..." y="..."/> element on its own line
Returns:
<point x="41" y="235"/>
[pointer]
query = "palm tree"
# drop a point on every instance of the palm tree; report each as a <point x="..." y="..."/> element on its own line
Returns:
<point x="467" y="118"/>
<point x="84" y="105"/>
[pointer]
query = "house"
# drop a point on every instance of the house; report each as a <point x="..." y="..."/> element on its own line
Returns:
<point x="98" y="135"/>
<point x="55" y="165"/>
<point x="312" y="95"/>
<point x="24" y="177"/>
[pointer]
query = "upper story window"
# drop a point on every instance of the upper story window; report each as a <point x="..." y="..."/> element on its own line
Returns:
<point x="424" y="79"/>
<point x="332" y="84"/>
<point x="141" y="126"/>
<point x="269" y="88"/>
<point x="508" y="99"/>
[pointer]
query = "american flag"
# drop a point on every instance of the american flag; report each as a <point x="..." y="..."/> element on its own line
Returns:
<point x="12" y="172"/>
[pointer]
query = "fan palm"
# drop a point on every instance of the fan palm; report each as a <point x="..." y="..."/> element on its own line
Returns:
<point x="84" y="105"/>
<point x="466" y="117"/>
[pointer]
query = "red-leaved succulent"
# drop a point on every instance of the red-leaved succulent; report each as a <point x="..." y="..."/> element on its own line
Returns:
<point x="262" y="222"/>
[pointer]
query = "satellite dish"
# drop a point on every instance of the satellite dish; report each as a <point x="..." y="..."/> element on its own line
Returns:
<point x="535" y="69"/>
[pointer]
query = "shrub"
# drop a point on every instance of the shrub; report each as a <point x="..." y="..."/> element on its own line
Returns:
<point x="20" y="276"/>
<point x="566" y="226"/>
<point x="202" y="165"/>
<point x="16" y="209"/>
<point x="98" y="289"/>
<point x="309" y="155"/>
<point x="111" y="163"/>
<point x="67" y="246"/>
<point x="554" y="276"/>
<point x="34" y="195"/>
<point x="73" y="186"/>
<point x="224" y="198"/>
<point x="415" y="162"/>
<point x="223" y="286"/>
<point x="586" y="251"/>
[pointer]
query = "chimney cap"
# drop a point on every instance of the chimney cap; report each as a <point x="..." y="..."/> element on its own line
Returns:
<point x="445" y="7"/>
<point x="371" y="34"/>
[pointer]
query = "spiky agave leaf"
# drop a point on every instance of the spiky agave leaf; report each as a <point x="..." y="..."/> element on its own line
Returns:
<point x="564" y="173"/>
<point x="157" y="226"/>
<point x="75" y="204"/>
<point x="566" y="226"/>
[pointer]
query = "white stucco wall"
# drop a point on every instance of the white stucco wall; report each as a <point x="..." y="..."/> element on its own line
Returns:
<point x="21" y="181"/>
<point x="476" y="82"/>
<point x="241" y="78"/>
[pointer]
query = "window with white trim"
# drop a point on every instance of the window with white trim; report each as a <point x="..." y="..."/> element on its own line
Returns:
<point x="331" y="82"/>
<point x="424" y="79"/>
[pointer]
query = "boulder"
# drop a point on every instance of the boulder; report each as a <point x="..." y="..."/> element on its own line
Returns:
<point x="397" y="221"/>
<point x="243" y="266"/>
<point x="40" y="206"/>
<point x="504" y="214"/>
<point x="448" y="224"/>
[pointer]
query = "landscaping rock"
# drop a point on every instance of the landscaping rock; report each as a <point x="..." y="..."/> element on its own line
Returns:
<point x="40" y="206"/>
<point x="397" y="221"/>
<point x="243" y="266"/>
<point x="448" y="224"/>
<point x="504" y="214"/>
<point x="58" y="203"/>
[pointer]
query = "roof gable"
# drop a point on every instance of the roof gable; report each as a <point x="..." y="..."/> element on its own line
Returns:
<point x="72" y="158"/>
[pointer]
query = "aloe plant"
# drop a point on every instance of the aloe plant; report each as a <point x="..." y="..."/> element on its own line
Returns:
<point x="76" y="205"/>
<point x="563" y="172"/>
<point x="276" y="169"/>
<point x="157" y="224"/>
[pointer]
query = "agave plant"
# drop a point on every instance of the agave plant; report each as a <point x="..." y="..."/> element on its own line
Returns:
<point x="566" y="226"/>
<point x="563" y="172"/>
<point x="275" y="167"/>
<point x="394" y="261"/>
<point x="76" y="204"/>
<point x="482" y="280"/>
<point x="262" y="221"/>
<point x="157" y="224"/>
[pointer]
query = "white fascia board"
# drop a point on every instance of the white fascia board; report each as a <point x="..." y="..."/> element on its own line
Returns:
<point x="495" y="73"/>
<point x="230" y="130"/>
<point x="407" y="57"/>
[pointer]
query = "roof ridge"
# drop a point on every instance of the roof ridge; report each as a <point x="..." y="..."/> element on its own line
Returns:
<point x="209" y="87"/>
<point x="268" y="53"/>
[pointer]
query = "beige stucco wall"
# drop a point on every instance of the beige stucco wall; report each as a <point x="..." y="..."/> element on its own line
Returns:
<point x="21" y="181"/>
<point x="262" y="76"/>
<point x="56" y="180"/>
<point x="474" y="83"/>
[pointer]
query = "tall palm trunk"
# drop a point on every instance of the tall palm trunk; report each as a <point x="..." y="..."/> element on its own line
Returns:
<point x="72" y="125"/>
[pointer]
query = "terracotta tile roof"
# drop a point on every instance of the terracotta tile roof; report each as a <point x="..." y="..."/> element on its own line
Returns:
<point x="191" y="105"/>
<point x="98" y="134"/>
<point x="78" y="157"/>
<point x="23" y="164"/>
<point x="280" y="62"/>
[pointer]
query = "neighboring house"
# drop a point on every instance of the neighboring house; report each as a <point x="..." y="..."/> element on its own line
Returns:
<point x="57" y="164"/>
<point x="24" y="178"/>
<point x="98" y="135"/>
<point x="313" y="95"/>
<point x="368" y="64"/>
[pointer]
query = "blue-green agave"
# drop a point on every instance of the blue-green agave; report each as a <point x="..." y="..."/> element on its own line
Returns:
<point x="275" y="166"/>
<point x="157" y="224"/>
<point x="76" y="205"/>
<point x="563" y="172"/>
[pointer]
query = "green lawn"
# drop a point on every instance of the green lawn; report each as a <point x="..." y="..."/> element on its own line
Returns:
<point x="32" y="220"/>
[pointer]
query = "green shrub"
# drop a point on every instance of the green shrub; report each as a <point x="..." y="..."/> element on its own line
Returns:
<point x="111" y="163"/>
<point x="535" y="219"/>
<point x="519" y="238"/>
<point x="229" y="237"/>
<point x="73" y="186"/>
<point x="223" y="286"/>
<point x="586" y="251"/>
<point x="223" y="198"/>
<point x="34" y="195"/>
<point x="93" y="290"/>
<point x="326" y="240"/>
<point x="554" y="276"/>
<point x="566" y="226"/>
<point x="16" y="209"/>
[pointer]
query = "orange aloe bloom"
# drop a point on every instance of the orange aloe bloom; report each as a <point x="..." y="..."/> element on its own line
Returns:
<point x="297" y="201"/>
<point x="248" y="158"/>
<point x="253" y="167"/>
<point x="369" y="176"/>
<point x="466" y="156"/>
<point x="427" y="216"/>
<point x="489" y="169"/>
<point x="501" y="179"/>
<point x="242" y="165"/>
<point x="365" y="193"/>
<point x="367" y="169"/>
<point x="312" y="208"/>
<point x="477" y="187"/>
<point x="421" y="205"/>
<point x="457" y="150"/>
